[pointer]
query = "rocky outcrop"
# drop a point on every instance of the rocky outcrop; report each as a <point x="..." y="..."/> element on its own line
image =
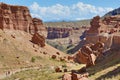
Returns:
<point x="53" y="56"/>
<point x="63" y="32"/>
<point x="39" y="27"/>
<point x="116" y="41"/>
<point x="103" y="30"/>
<point x="97" y="26"/>
<point x="89" y="53"/>
<point x="58" y="32"/>
<point x="112" y="21"/>
<point x="75" y="76"/>
<point x="57" y="69"/>
<point x="19" y="18"/>
<point x="38" y="39"/>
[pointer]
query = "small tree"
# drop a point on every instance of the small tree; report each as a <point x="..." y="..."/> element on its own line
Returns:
<point x="33" y="59"/>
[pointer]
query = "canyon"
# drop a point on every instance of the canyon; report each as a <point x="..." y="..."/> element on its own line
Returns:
<point x="106" y="31"/>
<point x="25" y="46"/>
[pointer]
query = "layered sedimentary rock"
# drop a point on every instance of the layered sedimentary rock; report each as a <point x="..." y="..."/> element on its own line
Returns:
<point x="97" y="27"/>
<point x="58" y="32"/>
<point x="104" y="31"/>
<point x="39" y="27"/>
<point x="116" y="41"/>
<point x="38" y="39"/>
<point x="89" y="53"/>
<point x="19" y="18"/>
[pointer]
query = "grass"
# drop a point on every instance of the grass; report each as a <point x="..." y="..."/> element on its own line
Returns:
<point x="45" y="73"/>
<point x="41" y="74"/>
<point x="18" y="52"/>
<point x="107" y="69"/>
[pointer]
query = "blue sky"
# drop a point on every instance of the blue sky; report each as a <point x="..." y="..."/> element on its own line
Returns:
<point x="53" y="10"/>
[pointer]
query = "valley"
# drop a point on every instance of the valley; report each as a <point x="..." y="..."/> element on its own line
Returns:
<point x="76" y="50"/>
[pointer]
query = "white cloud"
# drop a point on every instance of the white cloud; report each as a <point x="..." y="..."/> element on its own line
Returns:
<point x="62" y="12"/>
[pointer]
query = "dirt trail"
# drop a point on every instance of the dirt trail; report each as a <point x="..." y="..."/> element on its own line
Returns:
<point x="9" y="73"/>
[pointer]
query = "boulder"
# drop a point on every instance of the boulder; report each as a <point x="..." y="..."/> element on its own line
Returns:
<point x="62" y="59"/>
<point x="57" y="69"/>
<point x="81" y="58"/>
<point x="66" y="77"/>
<point x="65" y="70"/>
<point x="97" y="46"/>
<point x="54" y="56"/>
<point x="38" y="39"/>
<point x="70" y="57"/>
<point x="86" y="50"/>
<point x="75" y="76"/>
<point x="57" y="53"/>
<point x="89" y="53"/>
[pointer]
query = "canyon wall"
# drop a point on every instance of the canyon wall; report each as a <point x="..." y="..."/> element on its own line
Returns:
<point x="19" y="18"/>
<point x="58" y="32"/>
<point x="105" y="30"/>
<point x="62" y="32"/>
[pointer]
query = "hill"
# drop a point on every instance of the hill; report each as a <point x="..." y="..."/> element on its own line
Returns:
<point x="108" y="67"/>
<point x="19" y="52"/>
<point x="68" y="23"/>
<point x="113" y="12"/>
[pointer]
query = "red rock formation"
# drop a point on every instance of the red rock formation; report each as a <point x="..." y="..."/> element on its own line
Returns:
<point x="65" y="70"/>
<point x="58" y="32"/>
<point x="54" y="57"/>
<point x="66" y="77"/>
<point x="70" y="57"/>
<point x="112" y="20"/>
<point x="96" y="26"/>
<point x="62" y="59"/>
<point x="74" y="76"/>
<point x="116" y="41"/>
<point x="57" y="53"/>
<point x="19" y="18"/>
<point x="89" y="53"/>
<point x="104" y="30"/>
<point x="38" y="39"/>
<point x="58" y="69"/>
<point x="39" y="27"/>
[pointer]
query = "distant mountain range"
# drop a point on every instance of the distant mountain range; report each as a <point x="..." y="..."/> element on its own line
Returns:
<point x="113" y="12"/>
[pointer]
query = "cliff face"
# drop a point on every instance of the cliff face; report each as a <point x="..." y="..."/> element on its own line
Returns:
<point x="19" y="18"/>
<point x="59" y="32"/>
<point x="106" y="31"/>
<point x="97" y="26"/>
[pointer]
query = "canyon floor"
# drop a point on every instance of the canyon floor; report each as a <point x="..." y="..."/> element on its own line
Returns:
<point x="27" y="61"/>
<point x="18" y="52"/>
<point x="26" y="54"/>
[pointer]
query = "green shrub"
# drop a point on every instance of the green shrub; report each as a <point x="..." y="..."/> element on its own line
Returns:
<point x="33" y="59"/>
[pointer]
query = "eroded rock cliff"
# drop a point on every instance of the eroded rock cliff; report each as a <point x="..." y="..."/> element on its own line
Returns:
<point x="59" y="32"/>
<point x="19" y="18"/>
<point x="104" y="30"/>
